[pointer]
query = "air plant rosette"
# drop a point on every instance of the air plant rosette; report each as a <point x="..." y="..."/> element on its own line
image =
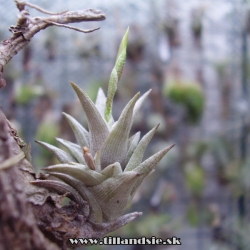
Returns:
<point x="105" y="168"/>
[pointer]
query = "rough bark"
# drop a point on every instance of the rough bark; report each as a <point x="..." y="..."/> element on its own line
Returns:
<point x="18" y="228"/>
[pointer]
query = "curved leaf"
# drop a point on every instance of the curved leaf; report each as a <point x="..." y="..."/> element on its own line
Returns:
<point x="78" y="171"/>
<point x="111" y="93"/>
<point x="113" y="194"/>
<point x="100" y="101"/>
<point x="116" y="75"/>
<point x="95" y="210"/>
<point x="62" y="188"/>
<point x="61" y="155"/>
<point x="138" y="153"/>
<point x="112" y="170"/>
<point x="81" y="134"/>
<point x="132" y="143"/>
<point x="98" y="128"/>
<point x="140" y="102"/>
<point x="74" y="149"/>
<point x="123" y="44"/>
<point x="147" y="166"/>
<point x="115" y="146"/>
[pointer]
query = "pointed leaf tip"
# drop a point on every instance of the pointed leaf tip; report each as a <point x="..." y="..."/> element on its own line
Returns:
<point x="116" y="145"/>
<point x="123" y="44"/>
<point x="138" y="153"/>
<point x="98" y="128"/>
<point x="116" y="75"/>
<point x="74" y="149"/>
<point x="61" y="155"/>
<point x="100" y="101"/>
<point x="148" y="165"/>
<point x="81" y="134"/>
<point x="139" y="103"/>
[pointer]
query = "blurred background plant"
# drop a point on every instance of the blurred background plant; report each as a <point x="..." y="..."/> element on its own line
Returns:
<point x="194" y="55"/>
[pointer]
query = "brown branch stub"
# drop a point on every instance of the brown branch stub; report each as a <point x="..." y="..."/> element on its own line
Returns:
<point x="27" y="26"/>
<point x="20" y="5"/>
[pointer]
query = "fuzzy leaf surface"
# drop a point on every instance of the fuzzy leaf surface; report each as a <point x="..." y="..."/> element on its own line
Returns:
<point x="138" y="153"/>
<point x="147" y="166"/>
<point x="81" y="134"/>
<point x="74" y="149"/>
<point x="111" y="93"/>
<point x="61" y="155"/>
<point x="139" y="103"/>
<point x="97" y="160"/>
<point x="98" y="128"/>
<point x="132" y="143"/>
<point x="116" y="75"/>
<point x="115" y="146"/>
<point x="113" y="194"/>
<point x="95" y="210"/>
<point x="112" y="170"/>
<point x="100" y="101"/>
<point x="81" y="172"/>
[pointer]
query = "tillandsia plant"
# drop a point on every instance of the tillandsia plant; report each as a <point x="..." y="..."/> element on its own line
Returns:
<point x="105" y="168"/>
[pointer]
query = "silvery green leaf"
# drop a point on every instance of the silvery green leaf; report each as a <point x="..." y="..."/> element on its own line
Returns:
<point x="81" y="172"/>
<point x="115" y="146"/>
<point x="95" y="210"/>
<point x="110" y="95"/>
<point x="112" y="125"/>
<point x="119" y="64"/>
<point x="138" y="153"/>
<point x="98" y="128"/>
<point x="147" y="166"/>
<point x="81" y="134"/>
<point x="140" y="102"/>
<point x="61" y="155"/>
<point x="62" y="188"/>
<point x="132" y="143"/>
<point x="97" y="161"/>
<point x="116" y="75"/>
<point x="113" y="194"/>
<point x="123" y="44"/>
<point x="74" y="149"/>
<point x="137" y="135"/>
<point x="100" y="101"/>
<point x="111" y="122"/>
<point x="112" y="170"/>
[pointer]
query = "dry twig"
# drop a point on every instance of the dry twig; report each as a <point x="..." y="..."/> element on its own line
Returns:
<point x="27" y="26"/>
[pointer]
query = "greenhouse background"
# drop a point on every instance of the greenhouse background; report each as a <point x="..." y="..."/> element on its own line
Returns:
<point x="194" y="56"/>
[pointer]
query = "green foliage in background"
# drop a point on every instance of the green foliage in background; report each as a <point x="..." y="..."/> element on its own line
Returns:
<point x="187" y="93"/>
<point x="195" y="178"/>
<point x="27" y="92"/>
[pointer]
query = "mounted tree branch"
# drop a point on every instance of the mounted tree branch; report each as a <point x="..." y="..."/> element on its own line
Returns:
<point x="18" y="228"/>
<point x="27" y="26"/>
